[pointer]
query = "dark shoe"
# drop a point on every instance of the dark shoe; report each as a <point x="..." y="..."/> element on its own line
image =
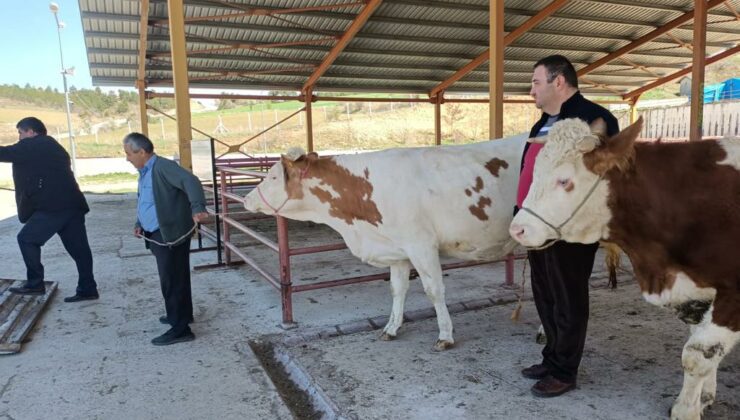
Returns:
<point x="538" y="371"/>
<point x="171" y="338"/>
<point x="78" y="298"/>
<point x="551" y="387"/>
<point x="26" y="290"/>
<point x="163" y="320"/>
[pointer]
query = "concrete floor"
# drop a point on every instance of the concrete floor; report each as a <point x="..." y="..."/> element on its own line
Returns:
<point x="94" y="360"/>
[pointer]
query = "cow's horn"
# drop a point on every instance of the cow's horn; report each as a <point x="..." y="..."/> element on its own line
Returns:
<point x="294" y="153"/>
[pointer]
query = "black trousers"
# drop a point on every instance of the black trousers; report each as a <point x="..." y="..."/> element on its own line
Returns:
<point x="173" y="265"/>
<point x="70" y="226"/>
<point x="560" y="276"/>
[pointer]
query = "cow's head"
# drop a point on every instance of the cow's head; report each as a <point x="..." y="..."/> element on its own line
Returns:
<point x="281" y="191"/>
<point x="568" y="196"/>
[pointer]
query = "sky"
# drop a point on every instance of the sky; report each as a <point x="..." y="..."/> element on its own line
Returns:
<point x="30" y="46"/>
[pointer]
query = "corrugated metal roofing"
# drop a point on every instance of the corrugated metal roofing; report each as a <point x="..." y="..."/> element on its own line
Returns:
<point x="405" y="46"/>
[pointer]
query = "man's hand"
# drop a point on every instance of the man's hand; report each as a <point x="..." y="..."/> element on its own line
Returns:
<point x="200" y="217"/>
<point x="138" y="232"/>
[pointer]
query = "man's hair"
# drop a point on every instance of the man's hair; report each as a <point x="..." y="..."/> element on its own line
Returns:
<point x="32" y="123"/>
<point x="557" y="65"/>
<point x="138" y="141"/>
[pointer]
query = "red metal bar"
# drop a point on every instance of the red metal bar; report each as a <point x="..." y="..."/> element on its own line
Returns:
<point x="249" y="261"/>
<point x="258" y="236"/>
<point x="317" y="249"/>
<point x="341" y="282"/>
<point x="286" y="291"/>
<point x="509" y="270"/>
<point x="414" y="274"/>
<point x="225" y="210"/>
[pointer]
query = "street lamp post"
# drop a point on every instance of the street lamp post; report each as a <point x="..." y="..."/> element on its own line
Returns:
<point x="73" y="153"/>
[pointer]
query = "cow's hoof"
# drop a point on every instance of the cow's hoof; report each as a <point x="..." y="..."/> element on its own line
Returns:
<point x="541" y="339"/>
<point x="681" y="412"/>
<point x="387" y="337"/>
<point x="442" y="345"/>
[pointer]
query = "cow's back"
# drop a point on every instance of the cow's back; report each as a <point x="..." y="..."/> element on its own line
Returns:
<point x="458" y="198"/>
<point x="678" y="212"/>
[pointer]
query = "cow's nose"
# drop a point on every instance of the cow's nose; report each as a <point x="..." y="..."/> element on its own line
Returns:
<point x="516" y="231"/>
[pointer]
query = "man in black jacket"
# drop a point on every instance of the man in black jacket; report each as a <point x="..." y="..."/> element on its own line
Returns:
<point x="559" y="273"/>
<point x="49" y="202"/>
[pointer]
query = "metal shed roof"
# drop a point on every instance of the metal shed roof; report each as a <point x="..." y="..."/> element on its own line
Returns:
<point x="405" y="46"/>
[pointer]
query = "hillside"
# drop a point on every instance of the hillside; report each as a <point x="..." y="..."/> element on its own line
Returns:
<point x="100" y="119"/>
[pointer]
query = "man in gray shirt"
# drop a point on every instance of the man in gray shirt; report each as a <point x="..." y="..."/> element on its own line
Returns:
<point x="170" y="204"/>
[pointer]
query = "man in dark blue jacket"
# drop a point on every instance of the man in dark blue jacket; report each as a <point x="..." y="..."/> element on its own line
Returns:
<point x="559" y="273"/>
<point x="49" y="202"/>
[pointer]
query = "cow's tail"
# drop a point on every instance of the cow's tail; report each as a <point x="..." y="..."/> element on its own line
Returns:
<point x="612" y="259"/>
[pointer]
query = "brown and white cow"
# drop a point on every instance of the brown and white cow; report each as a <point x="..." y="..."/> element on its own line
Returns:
<point x="675" y="211"/>
<point x="400" y="208"/>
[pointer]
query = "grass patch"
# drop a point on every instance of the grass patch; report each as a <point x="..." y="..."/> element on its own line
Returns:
<point x="109" y="178"/>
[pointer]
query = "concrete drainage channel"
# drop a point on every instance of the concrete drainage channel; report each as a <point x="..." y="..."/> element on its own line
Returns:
<point x="301" y="393"/>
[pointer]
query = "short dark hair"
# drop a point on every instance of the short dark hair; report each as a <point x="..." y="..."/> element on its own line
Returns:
<point x="32" y="123"/>
<point x="557" y="65"/>
<point x="138" y="141"/>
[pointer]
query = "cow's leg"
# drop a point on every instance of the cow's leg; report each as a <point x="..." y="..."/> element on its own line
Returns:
<point x="429" y="268"/>
<point x="399" y="285"/>
<point x="709" y="387"/>
<point x="704" y="350"/>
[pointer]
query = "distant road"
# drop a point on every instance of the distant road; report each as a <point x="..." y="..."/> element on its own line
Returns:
<point x="88" y="166"/>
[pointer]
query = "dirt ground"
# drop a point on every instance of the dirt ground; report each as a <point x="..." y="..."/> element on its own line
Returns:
<point x="631" y="367"/>
<point x="94" y="360"/>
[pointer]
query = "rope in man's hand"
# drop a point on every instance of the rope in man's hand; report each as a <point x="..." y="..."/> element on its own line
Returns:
<point x="197" y="218"/>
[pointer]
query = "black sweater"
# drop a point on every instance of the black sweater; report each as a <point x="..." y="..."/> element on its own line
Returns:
<point x="42" y="176"/>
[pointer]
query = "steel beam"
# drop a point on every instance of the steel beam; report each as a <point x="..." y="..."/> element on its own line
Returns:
<point x="508" y="39"/>
<point x="308" y="98"/>
<point x="697" y="70"/>
<point x="438" y="118"/>
<point x="180" y="80"/>
<point x="675" y="23"/>
<point x="341" y="44"/>
<point x="141" y="69"/>
<point x="496" y="70"/>
<point x="710" y="60"/>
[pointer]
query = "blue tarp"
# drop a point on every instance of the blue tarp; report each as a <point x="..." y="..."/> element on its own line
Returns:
<point x="729" y="89"/>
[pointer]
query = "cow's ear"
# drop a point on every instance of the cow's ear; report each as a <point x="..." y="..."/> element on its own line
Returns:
<point x="617" y="152"/>
<point x="287" y="162"/>
<point x="598" y="127"/>
<point x="312" y="156"/>
<point x="588" y="143"/>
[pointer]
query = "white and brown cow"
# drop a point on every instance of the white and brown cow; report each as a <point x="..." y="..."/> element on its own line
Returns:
<point x="675" y="211"/>
<point x="400" y="208"/>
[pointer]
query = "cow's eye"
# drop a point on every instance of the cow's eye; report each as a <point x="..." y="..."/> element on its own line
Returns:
<point x="565" y="184"/>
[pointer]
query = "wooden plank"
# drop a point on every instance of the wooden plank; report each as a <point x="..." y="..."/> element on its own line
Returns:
<point x="18" y="314"/>
<point x="659" y="122"/>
